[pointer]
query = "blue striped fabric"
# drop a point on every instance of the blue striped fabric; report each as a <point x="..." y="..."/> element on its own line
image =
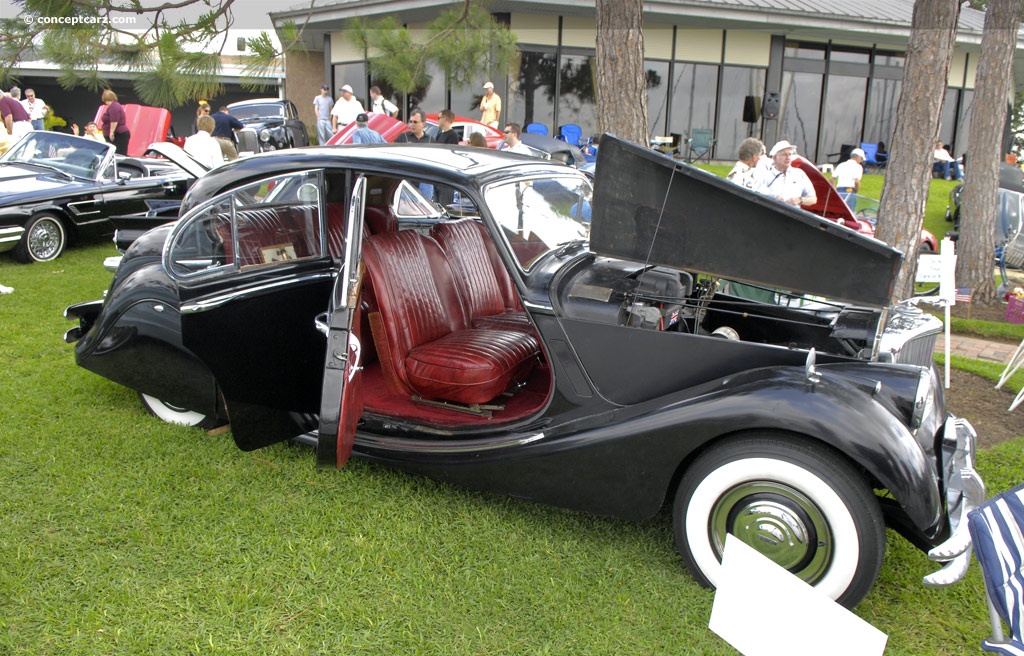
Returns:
<point x="997" y="530"/>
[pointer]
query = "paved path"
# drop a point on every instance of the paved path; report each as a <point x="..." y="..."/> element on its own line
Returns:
<point x="977" y="349"/>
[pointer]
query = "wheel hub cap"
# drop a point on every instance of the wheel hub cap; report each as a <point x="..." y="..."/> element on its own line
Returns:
<point x="44" y="240"/>
<point x="779" y="522"/>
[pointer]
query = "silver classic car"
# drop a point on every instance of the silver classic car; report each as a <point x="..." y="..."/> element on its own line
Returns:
<point x="659" y="337"/>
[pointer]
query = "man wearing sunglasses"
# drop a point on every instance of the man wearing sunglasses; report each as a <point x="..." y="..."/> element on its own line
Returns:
<point x="417" y="123"/>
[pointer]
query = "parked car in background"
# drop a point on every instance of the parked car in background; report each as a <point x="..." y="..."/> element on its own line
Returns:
<point x="832" y="206"/>
<point x="517" y="348"/>
<point x="56" y="187"/>
<point x="270" y="124"/>
<point x="1010" y="212"/>
<point x="388" y="127"/>
<point x="466" y="126"/>
<point x="554" y="149"/>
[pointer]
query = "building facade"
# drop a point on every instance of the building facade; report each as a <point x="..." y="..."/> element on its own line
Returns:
<point x="828" y="72"/>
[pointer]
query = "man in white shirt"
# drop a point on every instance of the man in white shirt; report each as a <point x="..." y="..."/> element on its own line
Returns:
<point x="35" y="107"/>
<point x="847" y="177"/>
<point x="381" y="105"/>
<point x="512" y="141"/>
<point x="784" y="182"/>
<point x="745" y="171"/>
<point x="202" y="146"/>
<point x="945" y="164"/>
<point x="346" y="109"/>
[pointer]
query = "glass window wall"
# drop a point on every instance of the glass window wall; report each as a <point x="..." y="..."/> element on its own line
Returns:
<point x="656" y="73"/>
<point x="737" y="84"/>
<point x="843" y="119"/>
<point x="533" y="90"/>
<point x="694" y="91"/>
<point x="576" y="101"/>
<point x="798" y="116"/>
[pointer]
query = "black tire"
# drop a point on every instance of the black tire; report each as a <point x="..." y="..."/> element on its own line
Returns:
<point x="44" y="239"/>
<point x="173" y="414"/>
<point x="796" y="501"/>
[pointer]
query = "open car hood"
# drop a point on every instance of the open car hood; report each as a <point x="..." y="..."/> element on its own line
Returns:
<point x="178" y="156"/>
<point x="653" y="209"/>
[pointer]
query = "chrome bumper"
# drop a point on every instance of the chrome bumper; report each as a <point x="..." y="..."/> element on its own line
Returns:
<point x="965" y="491"/>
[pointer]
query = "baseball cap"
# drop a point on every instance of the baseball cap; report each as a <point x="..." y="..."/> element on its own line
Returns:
<point x="362" y="118"/>
<point x="324" y="86"/>
<point x="782" y="145"/>
<point x="488" y="85"/>
<point x="347" y="88"/>
<point x="857" y="152"/>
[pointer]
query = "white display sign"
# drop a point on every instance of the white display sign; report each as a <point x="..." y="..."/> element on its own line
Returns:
<point x="763" y="610"/>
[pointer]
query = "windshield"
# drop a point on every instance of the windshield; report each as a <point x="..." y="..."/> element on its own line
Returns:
<point x="249" y="112"/>
<point x="72" y="155"/>
<point x="540" y="215"/>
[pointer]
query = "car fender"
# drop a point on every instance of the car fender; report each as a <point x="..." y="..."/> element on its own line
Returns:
<point x="139" y="332"/>
<point x="848" y="413"/>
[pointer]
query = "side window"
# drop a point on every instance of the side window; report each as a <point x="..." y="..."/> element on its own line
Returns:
<point x="264" y="223"/>
<point x="205" y="242"/>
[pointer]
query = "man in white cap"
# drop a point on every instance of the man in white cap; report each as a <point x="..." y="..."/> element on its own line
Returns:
<point x="490" y="106"/>
<point x="784" y="182"/>
<point x="847" y="175"/>
<point x="346" y="109"/>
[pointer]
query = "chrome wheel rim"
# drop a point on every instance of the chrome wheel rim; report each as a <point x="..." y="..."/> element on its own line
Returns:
<point x="44" y="239"/>
<point x="777" y="521"/>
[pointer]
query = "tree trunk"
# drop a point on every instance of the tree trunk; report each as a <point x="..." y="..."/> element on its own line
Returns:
<point x="621" y="85"/>
<point x="976" y="247"/>
<point x="905" y="194"/>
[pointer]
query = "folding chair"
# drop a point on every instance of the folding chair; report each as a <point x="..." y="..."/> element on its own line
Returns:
<point x="871" y="155"/>
<point x="699" y="145"/>
<point x="537" y="128"/>
<point x="996" y="531"/>
<point x="570" y="133"/>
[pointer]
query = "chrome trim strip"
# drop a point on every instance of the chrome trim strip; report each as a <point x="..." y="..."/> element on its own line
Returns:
<point x="222" y="299"/>
<point x="447" y="446"/>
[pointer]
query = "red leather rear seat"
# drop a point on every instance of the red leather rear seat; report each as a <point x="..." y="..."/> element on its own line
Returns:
<point x="489" y="295"/>
<point x="422" y="332"/>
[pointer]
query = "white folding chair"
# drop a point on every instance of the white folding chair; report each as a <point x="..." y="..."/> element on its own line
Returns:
<point x="997" y="531"/>
<point x="1011" y="368"/>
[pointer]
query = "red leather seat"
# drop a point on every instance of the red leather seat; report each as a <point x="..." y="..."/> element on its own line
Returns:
<point x="423" y="335"/>
<point x="484" y="284"/>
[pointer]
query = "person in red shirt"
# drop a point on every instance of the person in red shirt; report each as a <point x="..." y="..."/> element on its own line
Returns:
<point x="15" y="117"/>
<point x="113" y="123"/>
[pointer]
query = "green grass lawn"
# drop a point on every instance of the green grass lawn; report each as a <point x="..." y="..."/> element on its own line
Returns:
<point x="124" y="535"/>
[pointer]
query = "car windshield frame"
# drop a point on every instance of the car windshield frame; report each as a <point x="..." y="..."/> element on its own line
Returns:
<point x="255" y="111"/>
<point x="549" y="218"/>
<point x="81" y="158"/>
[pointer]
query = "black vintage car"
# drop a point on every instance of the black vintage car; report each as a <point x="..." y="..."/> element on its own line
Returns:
<point x="610" y="366"/>
<point x="270" y="124"/>
<point x="55" y="187"/>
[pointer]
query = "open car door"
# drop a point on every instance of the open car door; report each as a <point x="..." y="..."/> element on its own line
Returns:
<point x="341" y="402"/>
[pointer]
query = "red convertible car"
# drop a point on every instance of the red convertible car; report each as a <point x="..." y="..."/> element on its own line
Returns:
<point x="831" y="206"/>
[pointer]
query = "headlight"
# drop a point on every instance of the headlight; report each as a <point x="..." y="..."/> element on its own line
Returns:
<point x="264" y="135"/>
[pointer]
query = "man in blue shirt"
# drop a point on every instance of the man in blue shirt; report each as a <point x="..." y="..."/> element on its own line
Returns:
<point x="364" y="134"/>
<point x="224" y="132"/>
